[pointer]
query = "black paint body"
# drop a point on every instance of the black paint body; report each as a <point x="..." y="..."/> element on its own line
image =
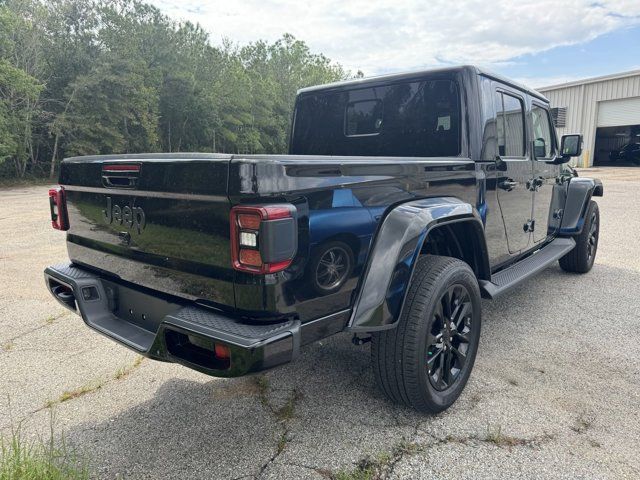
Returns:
<point x="175" y="236"/>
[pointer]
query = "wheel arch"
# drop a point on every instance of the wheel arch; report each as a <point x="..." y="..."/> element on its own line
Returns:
<point x="579" y="192"/>
<point x="406" y="232"/>
<point x="462" y="239"/>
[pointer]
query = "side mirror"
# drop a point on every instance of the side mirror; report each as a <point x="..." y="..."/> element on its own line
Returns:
<point x="571" y="145"/>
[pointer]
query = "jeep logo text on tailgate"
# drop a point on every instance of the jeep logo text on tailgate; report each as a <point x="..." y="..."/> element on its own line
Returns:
<point x="130" y="217"/>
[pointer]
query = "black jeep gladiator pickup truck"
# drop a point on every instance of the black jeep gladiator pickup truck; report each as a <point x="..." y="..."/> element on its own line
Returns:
<point x="403" y="200"/>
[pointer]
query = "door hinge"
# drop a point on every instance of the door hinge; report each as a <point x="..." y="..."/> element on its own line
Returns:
<point x="529" y="226"/>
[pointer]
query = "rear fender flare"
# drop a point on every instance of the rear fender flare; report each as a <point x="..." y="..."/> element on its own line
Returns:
<point x="394" y="253"/>
<point x="579" y="193"/>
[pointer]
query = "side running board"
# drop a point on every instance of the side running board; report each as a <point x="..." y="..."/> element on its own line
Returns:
<point x="510" y="277"/>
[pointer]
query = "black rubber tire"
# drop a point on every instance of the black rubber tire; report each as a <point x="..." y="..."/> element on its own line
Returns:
<point x="578" y="260"/>
<point x="315" y="259"/>
<point x="399" y="355"/>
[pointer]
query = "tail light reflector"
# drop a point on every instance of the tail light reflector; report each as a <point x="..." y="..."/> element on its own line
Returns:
<point x="264" y="239"/>
<point x="222" y="351"/>
<point x="58" y="207"/>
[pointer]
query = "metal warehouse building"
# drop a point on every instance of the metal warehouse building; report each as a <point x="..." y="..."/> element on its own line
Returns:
<point x="606" y="110"/>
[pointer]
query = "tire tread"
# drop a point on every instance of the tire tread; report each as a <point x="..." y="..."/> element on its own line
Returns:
<point x="576" y="260"/>
<point x="394" y="351"/>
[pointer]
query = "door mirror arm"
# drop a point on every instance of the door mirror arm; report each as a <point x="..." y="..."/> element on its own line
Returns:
<point x="559" y="159"/>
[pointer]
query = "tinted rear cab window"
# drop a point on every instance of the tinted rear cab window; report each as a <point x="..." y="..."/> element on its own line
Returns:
<point x="412" y="119"/>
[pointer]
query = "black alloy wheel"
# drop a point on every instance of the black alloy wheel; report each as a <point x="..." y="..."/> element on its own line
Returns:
<point x="449" y="337"/>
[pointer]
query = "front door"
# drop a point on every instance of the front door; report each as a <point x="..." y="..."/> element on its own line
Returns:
<point x="544" y="174"/>
<point x="513" y="170"/>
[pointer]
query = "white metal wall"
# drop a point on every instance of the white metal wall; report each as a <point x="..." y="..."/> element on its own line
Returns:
<point x="582" y="100"/>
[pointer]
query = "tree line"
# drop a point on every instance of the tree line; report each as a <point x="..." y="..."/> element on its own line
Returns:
<point x="80" y="77"/>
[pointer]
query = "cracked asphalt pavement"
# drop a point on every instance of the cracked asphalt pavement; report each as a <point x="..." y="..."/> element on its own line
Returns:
<point x="555" y="391"/>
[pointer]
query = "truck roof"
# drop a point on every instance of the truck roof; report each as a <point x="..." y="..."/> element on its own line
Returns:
<point x="419" y="73"/>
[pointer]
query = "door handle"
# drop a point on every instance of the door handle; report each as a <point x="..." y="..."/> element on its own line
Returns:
<point x="508" y="185"/>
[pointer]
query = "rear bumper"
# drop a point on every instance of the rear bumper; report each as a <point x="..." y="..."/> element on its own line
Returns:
<point x="158" y="328"/>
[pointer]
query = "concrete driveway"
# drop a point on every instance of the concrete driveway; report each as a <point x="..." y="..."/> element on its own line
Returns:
<point x="555" y="391"/>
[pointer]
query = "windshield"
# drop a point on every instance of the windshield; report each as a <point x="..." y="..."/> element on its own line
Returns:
<point x="412" y="119"/>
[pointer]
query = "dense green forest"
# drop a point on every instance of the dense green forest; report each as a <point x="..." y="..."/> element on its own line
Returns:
<point x="82" y="77"/>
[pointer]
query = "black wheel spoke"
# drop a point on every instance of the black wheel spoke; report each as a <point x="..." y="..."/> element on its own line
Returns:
<point x="462" y="313"/>
<point x="462" y="337"/>
<point x="446" y="374"/>
<point x="441" y="368"/>
<point x="461" y="356"/>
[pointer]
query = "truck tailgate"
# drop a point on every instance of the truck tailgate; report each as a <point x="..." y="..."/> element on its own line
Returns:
<point x="157" y="220"/>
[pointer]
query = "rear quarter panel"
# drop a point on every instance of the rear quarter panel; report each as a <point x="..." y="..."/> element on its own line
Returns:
<point x="259" y="179"/>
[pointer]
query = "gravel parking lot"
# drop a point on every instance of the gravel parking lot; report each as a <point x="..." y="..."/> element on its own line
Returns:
<point x="555" y="391"/>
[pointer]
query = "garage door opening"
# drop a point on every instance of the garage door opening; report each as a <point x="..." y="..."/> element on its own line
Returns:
<point x="617" y="146"/>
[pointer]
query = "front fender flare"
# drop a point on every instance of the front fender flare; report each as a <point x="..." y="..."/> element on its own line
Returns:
<point x="394" y="254"/>
<point x="579" y="193"/>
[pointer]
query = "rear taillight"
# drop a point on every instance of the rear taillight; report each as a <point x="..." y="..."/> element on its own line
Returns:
<point x="58" y="207"/>
<point x="264" y="239"/>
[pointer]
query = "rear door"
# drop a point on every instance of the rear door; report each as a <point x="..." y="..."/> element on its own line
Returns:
<point x="513" y="168"/>
<point x="544" y="173"/>
<point x="161" y="221"/>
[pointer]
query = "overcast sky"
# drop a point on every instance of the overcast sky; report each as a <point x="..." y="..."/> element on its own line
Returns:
<point x="538" y="42"/>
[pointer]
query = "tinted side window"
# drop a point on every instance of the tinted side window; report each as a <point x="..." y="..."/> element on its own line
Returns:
<point x="510" y="125"/>
<point x="542" y="139"/>
<point x="412" y="119"/>
<point x="363" y="118"/>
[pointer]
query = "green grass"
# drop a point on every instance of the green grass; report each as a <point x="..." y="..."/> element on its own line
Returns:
<point x="52" y="318"/>
<point x="21" y="459"/>
<point x="369" y="468"/>
<point x="126" y="370"/>
<point x="288" y="410"/>
<point x="378" y="466"/>
<point x="75" y="393"/>
<point x="262" y="385"/>
<point x="494" y="435"/>
<point x="94" y="385"/>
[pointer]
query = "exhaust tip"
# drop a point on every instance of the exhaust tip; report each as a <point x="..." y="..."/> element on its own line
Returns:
<point x="63" y="294"/>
